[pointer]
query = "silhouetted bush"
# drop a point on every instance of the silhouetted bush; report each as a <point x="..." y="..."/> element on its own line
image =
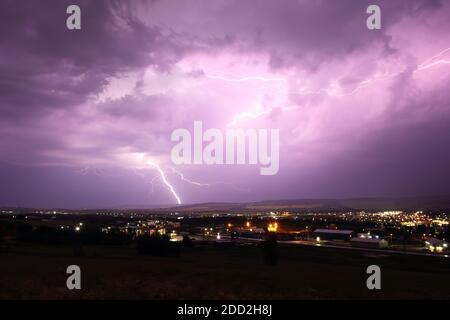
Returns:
<point x="15" y="229"/>
<point x="49" y="235"/>
<point x="269" y="248"/>
<point x="94" y="236"/>
<point x="187" y="242"/>
<point x="52" y="235"/>
<point x="157" y="245"/>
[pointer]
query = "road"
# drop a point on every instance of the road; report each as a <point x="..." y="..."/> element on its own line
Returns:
<point x="329" y="244"/>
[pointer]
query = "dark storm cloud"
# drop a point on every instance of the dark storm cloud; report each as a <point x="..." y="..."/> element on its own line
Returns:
<point x="43" y="65"/>
<point x="299" y="33"/>
<point x="362" y="113"/>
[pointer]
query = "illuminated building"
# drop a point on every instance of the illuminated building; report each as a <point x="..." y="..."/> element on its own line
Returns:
<point x="272" y="227"/>
<point x="436" y="245"/>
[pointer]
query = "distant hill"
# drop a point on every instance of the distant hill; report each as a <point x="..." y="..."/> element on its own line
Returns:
<point x="411" y="203"/>
<point x="416" y="203"/>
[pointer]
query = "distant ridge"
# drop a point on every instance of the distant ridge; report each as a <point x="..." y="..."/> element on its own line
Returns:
<point x="407" y="203"/>
<point x="386" y="203"/>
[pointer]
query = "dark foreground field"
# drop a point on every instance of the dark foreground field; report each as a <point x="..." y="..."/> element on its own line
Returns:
<point x="29" y="271"/>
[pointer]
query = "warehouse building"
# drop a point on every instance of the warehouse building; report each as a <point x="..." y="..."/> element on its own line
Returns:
<point x="369" y="243"/>
<point x="332" y="234"/>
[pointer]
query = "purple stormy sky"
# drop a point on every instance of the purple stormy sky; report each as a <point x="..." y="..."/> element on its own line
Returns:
<point x="360" y="112"/>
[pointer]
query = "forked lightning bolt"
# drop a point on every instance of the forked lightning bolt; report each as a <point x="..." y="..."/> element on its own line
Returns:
<point x="199" y="184"/>
<point x="427" y="64"/>
<point x="183" y="178"/>
<point x="164" y="180"/>
<point x="335" y="91"/>
<point x="433" y="62"/>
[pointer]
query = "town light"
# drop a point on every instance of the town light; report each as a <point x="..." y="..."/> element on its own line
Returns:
<point x="272" y="227"/>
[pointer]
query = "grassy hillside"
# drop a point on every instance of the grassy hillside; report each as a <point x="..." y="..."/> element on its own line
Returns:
<point x="38" y="272"/>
